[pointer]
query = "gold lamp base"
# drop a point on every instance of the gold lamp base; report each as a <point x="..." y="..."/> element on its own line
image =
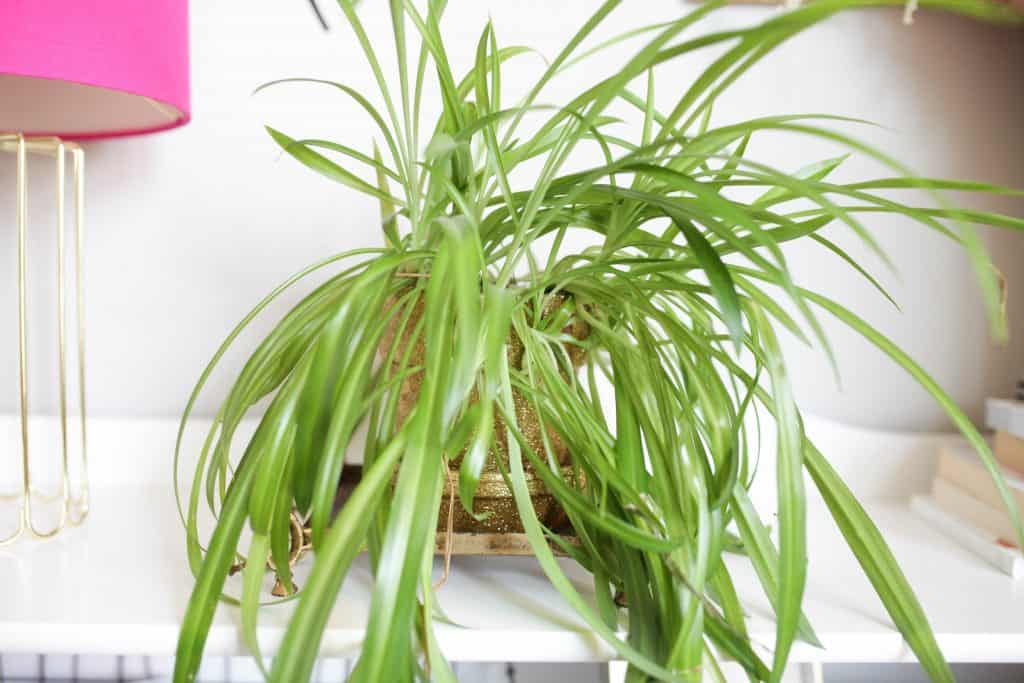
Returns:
<point x="74" y="506"/>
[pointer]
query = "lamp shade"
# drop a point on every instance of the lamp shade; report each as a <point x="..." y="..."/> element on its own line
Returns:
<point x="97" y="68"/>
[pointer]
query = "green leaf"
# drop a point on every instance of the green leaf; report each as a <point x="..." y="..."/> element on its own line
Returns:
<point x="871" y="550"/>
<point x="325" y="167"/>
<point x="359" y="99"/>
<point x="252" y="584"/>
<point x="344" y="540"/>
<point x="388" y="216"/>
<point x="962" y="422"/>
<point x="792" y="512"/>
<point x="498" y="305"/>
<point x="718" y="277"/>
<point x="202" y="604"/>
<point x="547" y="559"/>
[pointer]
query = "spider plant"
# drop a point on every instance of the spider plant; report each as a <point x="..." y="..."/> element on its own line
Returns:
<point x="684" y="288"/>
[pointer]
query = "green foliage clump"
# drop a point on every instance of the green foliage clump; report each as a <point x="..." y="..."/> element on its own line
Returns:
<point x="683" y="291"/>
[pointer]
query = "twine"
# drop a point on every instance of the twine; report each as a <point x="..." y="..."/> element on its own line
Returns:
<point x="449" y="529"/>
<point x="1004" y="290"/>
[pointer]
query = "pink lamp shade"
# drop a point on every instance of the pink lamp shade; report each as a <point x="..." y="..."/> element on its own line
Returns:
<point x="98" y="68"/>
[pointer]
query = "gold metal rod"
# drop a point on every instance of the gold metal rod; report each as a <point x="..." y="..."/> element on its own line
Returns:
<point x="22" y="202"/>
<point x="81" y="501"/>
<point x="62" y="376"/>
<point x="61" y="345"/>
<point x="19" y="202"/>
<point x="62" y="494"/>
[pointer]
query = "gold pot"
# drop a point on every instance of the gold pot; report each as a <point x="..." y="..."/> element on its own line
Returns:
<point x="495" y="503"/>
<point x="493" y="498"/>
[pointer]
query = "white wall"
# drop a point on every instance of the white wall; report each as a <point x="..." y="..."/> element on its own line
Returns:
<point x="190" y="228"/>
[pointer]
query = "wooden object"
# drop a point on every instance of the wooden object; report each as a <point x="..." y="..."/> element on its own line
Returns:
<point x="1009" y="451"/>
<point x="957" y="502"/>
<point x="485" y="538"/>
<point x="960" y="466"/>
<point x="492" y="544"/>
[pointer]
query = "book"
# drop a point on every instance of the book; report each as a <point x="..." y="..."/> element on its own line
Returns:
<point x="959" y="465"/>
<point x="1005" y="415"/>
<point x="963" y="506"/>
<point x="981" y="543"/>
<point x="1009" y="450"/>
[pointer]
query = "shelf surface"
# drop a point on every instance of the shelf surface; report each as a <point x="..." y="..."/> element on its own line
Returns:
<point x="120" y="583"/>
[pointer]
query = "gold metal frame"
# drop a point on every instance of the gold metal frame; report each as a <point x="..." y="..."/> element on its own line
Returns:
<point x="74" y="507"/>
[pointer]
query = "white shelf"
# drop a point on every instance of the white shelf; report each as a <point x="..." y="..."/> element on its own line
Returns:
<point x="119" y="586"/>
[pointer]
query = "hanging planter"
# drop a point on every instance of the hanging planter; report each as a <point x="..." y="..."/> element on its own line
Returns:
<point x="492" y="526"/>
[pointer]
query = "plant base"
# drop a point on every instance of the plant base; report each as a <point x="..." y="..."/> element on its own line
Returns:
<point x="492" y="544"/>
